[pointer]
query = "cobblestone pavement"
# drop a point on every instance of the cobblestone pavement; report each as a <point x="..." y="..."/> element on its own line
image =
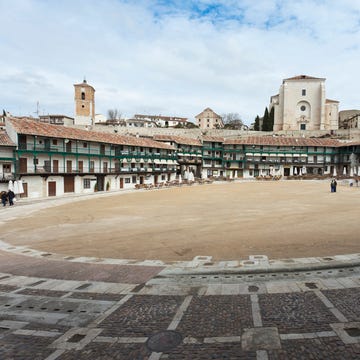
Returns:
<point x="52" y="308"/>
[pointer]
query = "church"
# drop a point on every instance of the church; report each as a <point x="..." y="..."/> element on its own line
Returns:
<point x="302" y="105"/>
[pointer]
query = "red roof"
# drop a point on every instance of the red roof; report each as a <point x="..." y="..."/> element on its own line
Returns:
<point x="5" y="140"/>
<point x="178" y="139"/>
<point x="32" y="127"/>
<point x="282" y="141"/>
<point x="213" y="139"/>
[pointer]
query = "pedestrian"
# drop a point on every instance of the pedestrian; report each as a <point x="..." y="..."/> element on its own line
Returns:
<point x="11" y="196"/>
<point x="333" y="185"/>
<point x="4" y="198"/>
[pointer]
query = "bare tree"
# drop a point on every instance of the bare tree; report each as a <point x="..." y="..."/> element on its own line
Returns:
<point x="232" y="121"/>
<point x="114" y="114"/>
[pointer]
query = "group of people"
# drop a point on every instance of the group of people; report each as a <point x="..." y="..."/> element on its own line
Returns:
<point x="7" y="196"/>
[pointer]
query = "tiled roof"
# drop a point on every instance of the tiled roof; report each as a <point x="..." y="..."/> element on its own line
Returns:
<point x="207" y="109"/>
<point x="84" y="83"/>
<point x="350" y="143"/>
<point x="213" y="138"/>
<point x="282" y="141"/>
<point x="178" y="139"/>
<point x="32" y="127"/>
<point x="5" y="140"/>
<point x="304" y="77"/>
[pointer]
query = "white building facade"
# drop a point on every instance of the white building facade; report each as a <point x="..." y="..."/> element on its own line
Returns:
<point x="55" y="160"/>
<point x="302" y="105"/>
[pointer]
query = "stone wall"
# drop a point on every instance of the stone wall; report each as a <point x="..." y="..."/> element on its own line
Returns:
<point x="345" y="134"/>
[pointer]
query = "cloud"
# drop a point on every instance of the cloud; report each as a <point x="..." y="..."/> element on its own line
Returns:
<point x="174" y="57"/>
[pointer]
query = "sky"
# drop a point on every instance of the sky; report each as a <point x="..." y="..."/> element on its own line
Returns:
<point x="175" y="57"/>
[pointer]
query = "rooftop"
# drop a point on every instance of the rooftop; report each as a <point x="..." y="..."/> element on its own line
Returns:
<point x="32" y="127"/>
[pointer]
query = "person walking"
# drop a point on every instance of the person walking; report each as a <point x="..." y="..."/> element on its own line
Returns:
<point x="11" y="196"/>
<point x="4" y="198"/>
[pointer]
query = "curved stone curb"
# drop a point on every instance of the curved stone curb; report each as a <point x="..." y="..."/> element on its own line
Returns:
<point x="256" y="264"/>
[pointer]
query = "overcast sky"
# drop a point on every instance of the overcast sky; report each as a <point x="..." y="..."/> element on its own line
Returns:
<point x="174" y="57"/>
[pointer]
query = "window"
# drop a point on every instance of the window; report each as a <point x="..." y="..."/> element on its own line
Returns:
<point x="302" y="126"/>
<point x="127" y="180"/>
<point x="303" y="92"/>
<point x="134" y="179"/>
<point x="82" y="95"/>
<point x="6" y="168"/>
<point x="303" y="108"/>
<point x="85" y="145"/>
<point x="87" y="183"/>
<point x="54" y="142"/>
<point x="91" y="166"/>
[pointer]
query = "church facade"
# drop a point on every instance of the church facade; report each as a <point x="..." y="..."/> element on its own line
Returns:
<point x="302" y="105"/>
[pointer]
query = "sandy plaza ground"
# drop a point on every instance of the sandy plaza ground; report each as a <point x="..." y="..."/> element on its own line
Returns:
<point x="280" y="219"/>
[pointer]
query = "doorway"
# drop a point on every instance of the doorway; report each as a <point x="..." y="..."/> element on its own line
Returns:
<point x="51" y="188"/>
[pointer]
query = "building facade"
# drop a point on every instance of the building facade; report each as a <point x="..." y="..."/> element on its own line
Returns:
<point x="57" y="119"/>
<point x="7" y="160"/>
<point x="188" y="153"/>
<point x="208" y="119"/>
<point x="302" y="105"/>
<point x="349" y="119"/>
<point x="52" y="160"/>
<point x="161" y="121"/>
<point x="84" y="97"/>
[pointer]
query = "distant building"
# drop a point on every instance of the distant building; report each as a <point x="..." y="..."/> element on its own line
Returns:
<point x="208" y="119"/>
<point x="162" y="121"/>
<point x="349" y="119"/>
<point x="144" y="123"/>
<point x="100" y="118"/>
<point x="57" y="119"/>
<point x="301" y="105"/>
<point x="7" y="159"/>
<point x="84" y="104"/>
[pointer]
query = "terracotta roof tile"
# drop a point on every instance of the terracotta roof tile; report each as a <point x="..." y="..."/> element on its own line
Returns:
<point x="5" y="140"/>
<point x="282" y="141"/>
<point x="213" y="138"/>
<point x="32" y="127"/>
<point x="178" y="139"/>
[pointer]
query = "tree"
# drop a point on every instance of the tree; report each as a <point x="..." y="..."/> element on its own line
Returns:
<point x="266" y="121"/>
<point x="232" y="121"/>
<point x="114" y="114"/>
<point x="186" y="125"/>
<point x="271" y="119"/>
<point x="257" y="123"/>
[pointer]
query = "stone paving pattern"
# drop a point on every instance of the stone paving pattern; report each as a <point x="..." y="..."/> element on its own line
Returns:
<point x="142" y="315"/>
<point x="347" y="301"/>
<point x="295" y="312"/>
<point x="89" y="312"/>
<point x="211" y="316"/>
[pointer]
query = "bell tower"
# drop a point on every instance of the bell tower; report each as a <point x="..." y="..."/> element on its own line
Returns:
<point x="84" y="104"/>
